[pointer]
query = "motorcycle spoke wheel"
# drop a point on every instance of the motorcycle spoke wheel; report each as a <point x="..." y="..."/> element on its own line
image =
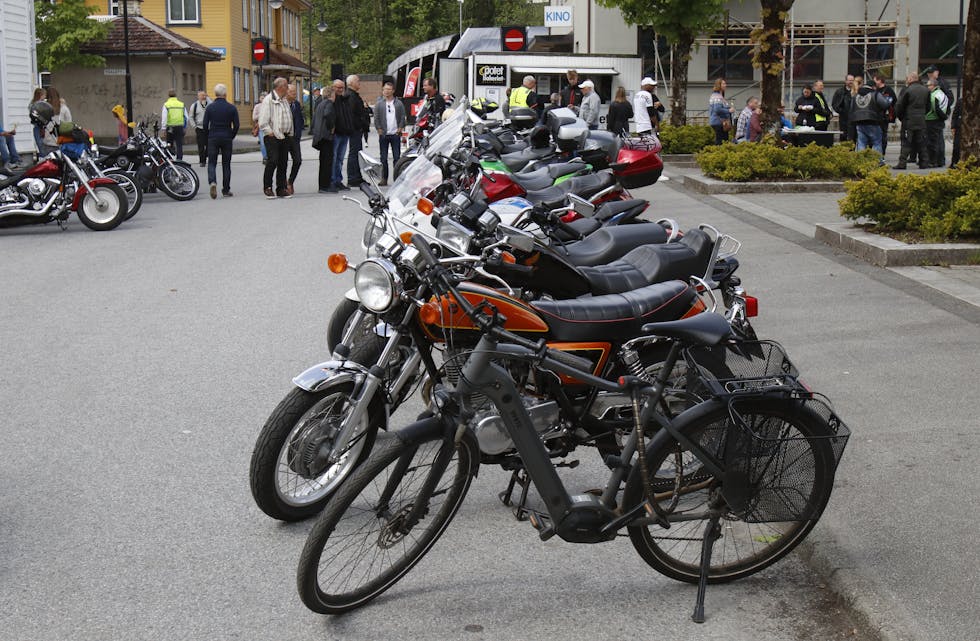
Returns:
<point x="361" y="544"/>
<point x="178" y="182"/>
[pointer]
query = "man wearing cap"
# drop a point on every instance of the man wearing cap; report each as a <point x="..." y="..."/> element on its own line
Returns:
<point x="646" y="107"/>
<point x="589" y="111"/>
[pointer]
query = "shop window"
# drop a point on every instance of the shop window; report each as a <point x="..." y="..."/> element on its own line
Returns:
<point x="880" y="46"/>
<point x="183" y="11"/>
<point x="738" y="54"/>
<point x="807" y="63"/>
<point x="938" y="46"/>
<point x="115" y="9"/>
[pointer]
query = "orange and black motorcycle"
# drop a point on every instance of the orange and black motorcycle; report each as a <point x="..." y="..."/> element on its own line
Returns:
<point x="326" y="425"/>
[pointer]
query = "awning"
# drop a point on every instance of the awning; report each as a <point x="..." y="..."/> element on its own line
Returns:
<point x="427" y="48"/>
<point x="586" y="71"/>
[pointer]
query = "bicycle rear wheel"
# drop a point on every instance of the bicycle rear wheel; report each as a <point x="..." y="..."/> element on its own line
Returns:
<point x="745" y="547"/>
<point x="361" y="545"/>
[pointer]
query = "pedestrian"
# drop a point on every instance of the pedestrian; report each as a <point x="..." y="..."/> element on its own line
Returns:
<point x="389" y="121"/>
<point x="807" y="108"/>
<point x="360" y="127"/>
<point x="276" y="127"/>
<point x="343" y="128"/>
<point x="317" y="97"/>
<point x="322" y="128"/>
<point x="197" y="118"/>
<point x="524" y="97"/>
<point x="39" y="95"/>
<point x="888" y="115"/>
<point x="841" y="103"/>
<point x="435" y="104"/>
<point x="911" y="110"/>
<point x="936" y="123"/>
<point x="720" y="112"/>
<point x="954" y="124"/>
<point x="589" y="111"/>
<point x="571" y="93"/>
<point x="822" y="112"/>
<point x="255" y="125"/>
<point x="932" y="72"/>
<point x="620" y="112"/>
<point x="9" y="158"/>
<point x="122" y="124"/>
<point x="755" y="124"/>
<point x="61" y="114"/>
<point x="295" y="153"/>
<point x="174" y="119"/>
<point x="867" y="105"/>
<point x="647" y="108"/>
<point x="220" y="128"/>
<point x="742" y="132"/>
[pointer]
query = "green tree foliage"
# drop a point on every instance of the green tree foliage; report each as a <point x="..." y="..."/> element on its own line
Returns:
<point x="384" y="29"/>
<point x="680" y="22"/>
<point x="61" y="29"/>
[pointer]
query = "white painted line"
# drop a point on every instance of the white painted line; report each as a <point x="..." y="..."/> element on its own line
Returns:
<point x="782" y="220"/>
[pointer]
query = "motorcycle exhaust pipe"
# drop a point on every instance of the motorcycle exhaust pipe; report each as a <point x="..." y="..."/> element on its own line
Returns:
<point x="30" y="212"/>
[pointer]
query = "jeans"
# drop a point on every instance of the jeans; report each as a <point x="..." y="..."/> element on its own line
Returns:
<point x="720" y="134"/>
<point x="297" y="158"/>
<point x="868" y="135"/>
<point x="395" y="142"/>
<point x="353" y="161"/>
<point x="175" y="135"/>
<point x="222" y="145"/>
<point x="339" y="149"/>
<point x="39" y="140"/>
<point x="935" y="142"/>
<point x="278" y="156"/>
<point x="202" y="145"/>
<point x="265" y="154"/>
<point x="8" y="152"/>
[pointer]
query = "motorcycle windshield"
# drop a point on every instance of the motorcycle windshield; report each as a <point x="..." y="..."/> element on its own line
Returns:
<point x="419" y="178"/>
<point x="447" y="136"/>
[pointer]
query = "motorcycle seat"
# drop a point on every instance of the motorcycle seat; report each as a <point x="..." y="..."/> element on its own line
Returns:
<point x="519" y="159"/>
<point x="615" y="316"/>
<point x="609" y="243"/>
<point x="6" y="180"/>
<point x="616" y="207"/>
<point x="108" y="151"/>
<point x="584" y="186"/>
<point x="545" y="176"/>
<point x="652" y="264"/>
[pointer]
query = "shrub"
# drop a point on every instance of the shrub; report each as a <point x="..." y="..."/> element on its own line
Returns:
<point x="940" y="206"/>
<point x="768" y="161"/>
<point x="687" y="139"/>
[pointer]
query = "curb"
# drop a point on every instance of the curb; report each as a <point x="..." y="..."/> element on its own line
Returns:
<point x="888" y="252"/>
<point x="711" y="186"/>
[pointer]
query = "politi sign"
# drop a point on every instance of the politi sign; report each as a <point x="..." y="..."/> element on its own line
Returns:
<point x="491" y="75"/>
<point x="558" y="16"/>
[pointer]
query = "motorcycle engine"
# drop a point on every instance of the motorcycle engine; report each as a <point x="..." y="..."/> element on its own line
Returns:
<point x="492" y="434"/>
<point x="34" y="186"/>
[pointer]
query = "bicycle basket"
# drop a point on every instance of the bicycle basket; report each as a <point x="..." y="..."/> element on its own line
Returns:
<point x="774" y="472"/>
<point x="740" y="367"/>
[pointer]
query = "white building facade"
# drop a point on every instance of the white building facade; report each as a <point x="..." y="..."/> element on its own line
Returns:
<point x="18" y="69"/>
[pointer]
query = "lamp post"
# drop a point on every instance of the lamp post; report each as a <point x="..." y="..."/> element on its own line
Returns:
<point x="460" y="17"/>
<point x="129" y="79"/>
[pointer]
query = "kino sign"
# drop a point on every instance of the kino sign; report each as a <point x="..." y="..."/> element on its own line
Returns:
<point x="558" y="16"/>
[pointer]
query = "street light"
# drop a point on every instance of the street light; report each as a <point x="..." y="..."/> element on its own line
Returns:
<point x="460" y="17"/>
<point x="321" y="27"/>
<point x="275" y="4"/>
<point x="354" y="44"/>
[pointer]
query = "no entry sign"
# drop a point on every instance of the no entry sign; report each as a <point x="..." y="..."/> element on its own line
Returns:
<point x="513" y="38"/>
<point x="260" y="51"/>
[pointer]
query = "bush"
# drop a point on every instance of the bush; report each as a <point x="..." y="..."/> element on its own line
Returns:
<point x="940" y="206"/>
<point x="687" y="139"/>
<point x="768" y="161"/>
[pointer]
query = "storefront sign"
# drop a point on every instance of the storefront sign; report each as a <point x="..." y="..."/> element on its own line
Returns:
<point x="558" y="16"/>
<point x="491" y="75"/>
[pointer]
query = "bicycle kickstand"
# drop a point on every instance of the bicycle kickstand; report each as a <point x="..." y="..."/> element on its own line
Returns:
<point x="517" y="478"/>
<point x="712" y="532"/>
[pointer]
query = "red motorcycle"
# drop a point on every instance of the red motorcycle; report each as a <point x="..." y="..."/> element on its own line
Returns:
<point x="52" y="189"/>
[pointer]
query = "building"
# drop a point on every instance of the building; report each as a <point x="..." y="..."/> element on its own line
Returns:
<point x="18" y="69"/>
<point x="227" y="28"/>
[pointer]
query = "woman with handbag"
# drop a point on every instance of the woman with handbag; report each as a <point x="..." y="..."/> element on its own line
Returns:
<point x="720" y="112"/>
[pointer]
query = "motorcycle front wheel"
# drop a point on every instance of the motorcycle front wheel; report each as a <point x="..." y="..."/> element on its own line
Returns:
<point x="179" y="182"/>
<point x="134" y="193"/>
<point x="289" y="475"/>
<point x="365" y="347"/>
<point x="105" y="213"/>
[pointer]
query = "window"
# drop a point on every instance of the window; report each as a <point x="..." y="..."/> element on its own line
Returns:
<point x="244" y="15"/>
<point x="650" y="45"/>
<point x="738" y="54"/>
<point x="880" y="46"/>
<point x="184" y="80"/>
<point x="236" y="81"/>
<point x="938" y="46"/>
<point x="248" y="86"/>
<point x="252" y="12"/>
<point x="183" y="11"/>
<point x="115" y="9"/>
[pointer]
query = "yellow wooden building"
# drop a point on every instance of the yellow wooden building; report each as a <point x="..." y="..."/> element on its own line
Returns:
<point x="227" y="27"/>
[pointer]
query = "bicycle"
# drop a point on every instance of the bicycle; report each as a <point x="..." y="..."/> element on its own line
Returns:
<point x="755" y="450"/>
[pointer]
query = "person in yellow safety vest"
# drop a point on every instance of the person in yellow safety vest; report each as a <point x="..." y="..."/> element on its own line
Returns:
<point x="823" y="114"/>
<point x="524" y="95"/>
<point x="173" y="117"/>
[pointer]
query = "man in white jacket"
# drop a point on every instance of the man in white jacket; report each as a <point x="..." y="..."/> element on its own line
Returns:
<point x="276" y="129"/>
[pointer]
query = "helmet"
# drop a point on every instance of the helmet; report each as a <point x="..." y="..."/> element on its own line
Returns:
<point x="540" y="137"/>
<point x="41" y="113"/>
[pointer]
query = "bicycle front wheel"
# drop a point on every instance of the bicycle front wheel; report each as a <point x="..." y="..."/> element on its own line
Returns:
<point x="362" y="543"/>
<point x="688" y="492"/>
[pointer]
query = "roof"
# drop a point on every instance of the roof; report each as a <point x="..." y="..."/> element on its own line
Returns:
<point x="427" y="48"/>
<point x="145" y="38"/>
<point x="487" y="39"/>
<point x="282" y="60"/>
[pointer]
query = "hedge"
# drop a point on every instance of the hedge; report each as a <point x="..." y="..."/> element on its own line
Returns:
<point x="750" y="161"/>
<point x="687" y="139"/>
<point x="940" y="206"/>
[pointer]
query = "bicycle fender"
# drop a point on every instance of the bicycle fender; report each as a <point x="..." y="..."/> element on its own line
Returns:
<point x="318" y="376"/>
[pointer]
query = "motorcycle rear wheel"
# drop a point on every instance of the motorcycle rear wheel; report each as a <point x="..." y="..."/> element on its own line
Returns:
<point x="109" y="214"/>
<point x="179" y="182"/>
<point x="281" y="487"/>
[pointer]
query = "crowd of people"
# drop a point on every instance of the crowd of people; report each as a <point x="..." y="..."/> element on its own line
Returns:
<point x="865" y="113"/>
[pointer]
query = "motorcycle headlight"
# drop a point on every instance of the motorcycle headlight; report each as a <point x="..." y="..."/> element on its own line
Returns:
<point x="454" y="234"/>
<point x="377" y="284"/>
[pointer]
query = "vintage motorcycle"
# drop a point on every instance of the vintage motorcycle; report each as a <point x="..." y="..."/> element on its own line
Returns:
<point x="153" y="164"/>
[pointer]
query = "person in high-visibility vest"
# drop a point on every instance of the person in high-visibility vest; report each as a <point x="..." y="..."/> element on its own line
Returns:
<point x="173" y="117"/>
<point x="823" y="112"/>
<point x="524" y="95"/>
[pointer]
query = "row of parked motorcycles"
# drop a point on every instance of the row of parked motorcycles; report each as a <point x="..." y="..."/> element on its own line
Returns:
<point x="103" y="186"/>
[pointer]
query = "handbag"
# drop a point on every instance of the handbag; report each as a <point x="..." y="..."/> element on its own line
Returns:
<point x="726" y="125"/>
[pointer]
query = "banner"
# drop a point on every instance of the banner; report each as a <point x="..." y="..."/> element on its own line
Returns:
<point x="411" y="82"/>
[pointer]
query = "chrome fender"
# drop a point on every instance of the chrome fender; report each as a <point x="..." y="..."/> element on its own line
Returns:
<point x="318" y="376"/>
<point x="351" y="294"/>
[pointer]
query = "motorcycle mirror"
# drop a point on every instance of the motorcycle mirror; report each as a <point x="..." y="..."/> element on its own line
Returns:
<point x="581" y="206"/>
<point x="516" y="238"/>
<point x="370" y="167"/>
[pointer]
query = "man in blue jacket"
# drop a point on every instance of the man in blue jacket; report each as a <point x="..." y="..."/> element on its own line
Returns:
<point x="296" y="108"/>
<point x="221" y="126"/>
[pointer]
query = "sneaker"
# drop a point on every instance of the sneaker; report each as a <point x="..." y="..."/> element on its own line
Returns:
<point x="284" y="194"/>
<point x="899" y="167"/>
<point x="326" y="191"/>
<point x="343" y="187"/>
<point x="289" y="188"/>
<point x="203" y="164"/>
<point x="214" y="191"/>
<point x="269" y="193"/>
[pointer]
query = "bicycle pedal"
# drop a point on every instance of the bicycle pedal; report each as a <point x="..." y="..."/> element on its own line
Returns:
<point x="539" y="523"/>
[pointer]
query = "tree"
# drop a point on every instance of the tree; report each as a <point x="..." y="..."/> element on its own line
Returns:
<point x="970" y="95"/>
<point x="61" y="29"/>
<point x="768" y="56"/>
<point x="680" y="22"/>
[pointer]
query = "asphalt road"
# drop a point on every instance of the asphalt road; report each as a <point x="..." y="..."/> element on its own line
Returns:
<point x="138" y="366"/>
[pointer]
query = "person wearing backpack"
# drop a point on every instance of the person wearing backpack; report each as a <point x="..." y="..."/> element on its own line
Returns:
<point x="867" y="107"/>
<point x="936" y="123"/>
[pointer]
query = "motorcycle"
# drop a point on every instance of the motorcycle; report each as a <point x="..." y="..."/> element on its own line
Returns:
<point x="53" y="188"/>
<point x="125" y="179"/>
<point x="153" y="164"/>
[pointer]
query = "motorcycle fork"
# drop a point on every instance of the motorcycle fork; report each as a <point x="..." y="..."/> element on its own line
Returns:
<point x="82" y="180"/>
